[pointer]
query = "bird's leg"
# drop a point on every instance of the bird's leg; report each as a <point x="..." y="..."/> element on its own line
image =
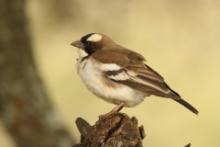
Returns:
<point x="117" y="108"/>
<point x="114" y="110"/>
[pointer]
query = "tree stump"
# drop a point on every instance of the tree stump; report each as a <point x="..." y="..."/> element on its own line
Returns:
<point x="115" y="130"/>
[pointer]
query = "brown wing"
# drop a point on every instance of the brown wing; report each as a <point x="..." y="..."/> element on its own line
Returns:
<point x="142" y="78"/>
<point x="147" y="80"/>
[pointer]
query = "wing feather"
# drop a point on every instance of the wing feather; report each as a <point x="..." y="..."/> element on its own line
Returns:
<point x="143" y="78"/>
<point x="133" y="72"/>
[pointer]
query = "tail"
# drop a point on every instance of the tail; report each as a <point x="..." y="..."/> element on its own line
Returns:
<point x="176" y="97"/>
<point x="186" y="104"/>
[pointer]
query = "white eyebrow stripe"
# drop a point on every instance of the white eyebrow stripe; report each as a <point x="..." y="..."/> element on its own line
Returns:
<point x="95" y="38"/>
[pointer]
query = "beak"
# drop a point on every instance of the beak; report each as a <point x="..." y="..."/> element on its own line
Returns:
<point x="78" y="44"/>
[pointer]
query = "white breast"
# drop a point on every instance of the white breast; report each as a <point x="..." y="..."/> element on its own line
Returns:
<point x="91" y="72"/>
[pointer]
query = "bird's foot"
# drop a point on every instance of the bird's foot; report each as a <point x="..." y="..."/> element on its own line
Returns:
<point x="113" y="111"/>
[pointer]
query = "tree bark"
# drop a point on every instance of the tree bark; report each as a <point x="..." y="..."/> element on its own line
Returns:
<point x="25" y="110"/>
<point x="115" y="130"/>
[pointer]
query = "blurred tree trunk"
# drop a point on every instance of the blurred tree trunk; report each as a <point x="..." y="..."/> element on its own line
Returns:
<point x="25" y="110"/>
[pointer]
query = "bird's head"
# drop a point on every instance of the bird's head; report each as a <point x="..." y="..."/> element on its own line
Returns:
<point x="93" y="42"/>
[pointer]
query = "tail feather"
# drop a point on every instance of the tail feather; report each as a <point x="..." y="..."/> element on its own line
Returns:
<point x="186" y="104"/>
<point x="176" y="97"/>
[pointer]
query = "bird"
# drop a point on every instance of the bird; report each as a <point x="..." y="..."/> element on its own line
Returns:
<point x="120" y="75"/>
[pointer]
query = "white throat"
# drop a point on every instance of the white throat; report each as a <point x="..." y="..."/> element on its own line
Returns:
<point x="81" y="54"/>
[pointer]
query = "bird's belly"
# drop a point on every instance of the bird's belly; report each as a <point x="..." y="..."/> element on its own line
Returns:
<point x="113" y="92"/>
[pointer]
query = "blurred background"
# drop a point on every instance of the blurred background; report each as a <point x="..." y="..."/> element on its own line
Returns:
<point x="180" y="39"/>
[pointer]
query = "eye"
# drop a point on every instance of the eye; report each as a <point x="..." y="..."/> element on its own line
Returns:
<point x="88" y="43"/>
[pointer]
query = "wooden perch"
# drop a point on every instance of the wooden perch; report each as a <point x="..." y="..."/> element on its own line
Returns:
<point x="115" y="130"/>
<point x="111" y="130"/>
